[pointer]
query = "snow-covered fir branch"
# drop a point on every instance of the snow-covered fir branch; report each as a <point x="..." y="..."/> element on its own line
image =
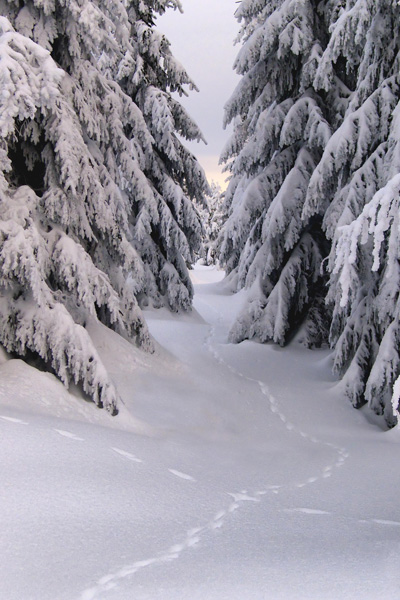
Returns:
<point x="97" y="191"/>
<point x="315" y="152"/>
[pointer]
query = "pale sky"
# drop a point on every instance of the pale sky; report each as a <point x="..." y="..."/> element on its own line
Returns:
<point x="202" y="40"/>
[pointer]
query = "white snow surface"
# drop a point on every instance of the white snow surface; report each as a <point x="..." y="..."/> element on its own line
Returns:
<point x="233" y="472"/>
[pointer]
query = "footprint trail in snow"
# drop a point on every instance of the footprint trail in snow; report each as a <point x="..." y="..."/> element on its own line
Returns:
<point x="341" y="453"/>
<point x="195" y="535"/>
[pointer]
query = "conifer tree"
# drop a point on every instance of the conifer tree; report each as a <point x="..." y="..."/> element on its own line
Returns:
<point x="165" y="227"/>
<point x="212" y="218"/>
<point x="349" y="190"/>
<point x="76" y="157"/>
<point x="281" y="127"/>
<point x="315" y="163"/>
<point x="356" y="188"/>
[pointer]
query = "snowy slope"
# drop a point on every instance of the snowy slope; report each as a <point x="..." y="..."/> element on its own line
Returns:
<point x="234" y="472"/>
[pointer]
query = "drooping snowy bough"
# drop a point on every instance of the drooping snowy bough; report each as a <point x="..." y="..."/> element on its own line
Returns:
<point x="165" y="227"/>
<point x="281" y="127"/>
<point x="356" y="187"/>
<point x="314" y="163"/>
<point x="92" y="205"/>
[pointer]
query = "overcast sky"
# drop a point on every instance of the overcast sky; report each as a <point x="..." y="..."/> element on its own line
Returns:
<point x="202" y="40"/>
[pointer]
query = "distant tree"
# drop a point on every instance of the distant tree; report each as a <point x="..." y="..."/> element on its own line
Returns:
<point x="281" y="127"/>
<point x="76" y="156"/>
<point x="356" y="187"/>
<point x="212" y="218"/>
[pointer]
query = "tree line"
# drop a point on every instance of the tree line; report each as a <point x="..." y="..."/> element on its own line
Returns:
<point x="103" y="208"/>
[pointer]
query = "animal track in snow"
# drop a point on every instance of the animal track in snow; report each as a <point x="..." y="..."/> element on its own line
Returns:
<point x="69" y="435"/>
<point x="218" y="520"/>
<point x="243" y="496"/>
<point x="193" y="536"/>
<point x="127" y="455"/>
<point x="275" y="409"/>
<point x="181" y="475"/>
<point x="110" y="581"/>
<point x="13" y="420"/>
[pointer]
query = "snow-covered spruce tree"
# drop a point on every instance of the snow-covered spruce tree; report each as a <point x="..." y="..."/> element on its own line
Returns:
<point x="63" y="244"/>
<point x="356" y="188"/>
<point x="73" y="156"/>
<point x="212" y="218"/>
<point x="165" y="226"/>
<point x="280" y="131"/>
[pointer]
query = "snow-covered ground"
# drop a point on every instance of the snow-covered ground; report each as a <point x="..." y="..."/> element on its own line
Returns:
<point x="234" y="472"/>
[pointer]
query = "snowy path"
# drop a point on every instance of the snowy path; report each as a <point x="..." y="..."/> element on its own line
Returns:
<point x="253" y="479"/>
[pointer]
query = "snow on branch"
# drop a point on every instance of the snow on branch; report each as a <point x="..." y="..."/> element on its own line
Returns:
<point x="380" y="220"/>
